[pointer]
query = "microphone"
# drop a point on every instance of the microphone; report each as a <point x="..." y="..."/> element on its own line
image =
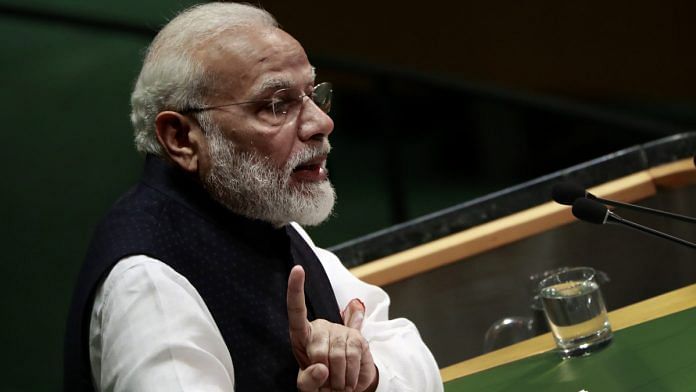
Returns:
<point x="566" y="193"/>
<point x="594" y="212"/>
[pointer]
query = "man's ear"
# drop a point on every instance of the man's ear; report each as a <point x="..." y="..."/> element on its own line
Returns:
<point x="182" y="139"/>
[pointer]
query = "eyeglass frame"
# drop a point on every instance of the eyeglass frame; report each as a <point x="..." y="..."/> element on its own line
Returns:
<point x="299" y="99"/>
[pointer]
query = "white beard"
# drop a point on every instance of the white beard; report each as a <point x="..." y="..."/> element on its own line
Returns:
<point x="250" y="185"/>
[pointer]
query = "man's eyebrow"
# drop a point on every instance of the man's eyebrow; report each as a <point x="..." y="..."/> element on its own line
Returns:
<point x="275" y="84"/>
<point x="272" y="85"/>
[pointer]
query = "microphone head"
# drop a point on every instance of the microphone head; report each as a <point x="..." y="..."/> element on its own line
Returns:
<point x="567" y="192"/>
<point x="590" y="211"/>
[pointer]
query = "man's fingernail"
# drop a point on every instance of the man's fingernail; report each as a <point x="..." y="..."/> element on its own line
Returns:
<point x="316" y="373"/>
<point x="358" y="302"/>
<point x="355" y="306"/>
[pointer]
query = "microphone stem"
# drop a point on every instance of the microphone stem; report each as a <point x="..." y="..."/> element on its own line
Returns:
<point x="648" y="230"/>
<point x="647" y="209"/>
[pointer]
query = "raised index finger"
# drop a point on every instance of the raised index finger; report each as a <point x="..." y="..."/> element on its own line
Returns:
<point x="297" y="310"/>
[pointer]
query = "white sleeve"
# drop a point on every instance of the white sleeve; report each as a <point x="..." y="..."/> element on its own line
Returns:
<point x="404" y="361"/>
<point x="151" y="331"/>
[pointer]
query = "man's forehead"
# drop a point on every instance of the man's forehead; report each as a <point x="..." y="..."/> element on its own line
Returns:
<point x="259" y="58"/>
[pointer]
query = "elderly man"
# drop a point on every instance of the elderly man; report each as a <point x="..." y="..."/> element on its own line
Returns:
<point x="200" y="278"/>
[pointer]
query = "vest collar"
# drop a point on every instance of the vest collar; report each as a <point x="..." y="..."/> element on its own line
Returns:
<point x="186" y="189"/>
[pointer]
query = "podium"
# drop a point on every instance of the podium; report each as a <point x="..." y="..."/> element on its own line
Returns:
<point x="650" y="351"/>
<point x="457" y="271"/>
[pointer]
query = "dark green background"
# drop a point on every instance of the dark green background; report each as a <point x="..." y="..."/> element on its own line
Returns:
<point x="68" y="154"/>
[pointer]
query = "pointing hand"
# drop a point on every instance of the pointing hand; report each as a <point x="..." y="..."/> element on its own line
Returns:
<point x="331" y="356"/>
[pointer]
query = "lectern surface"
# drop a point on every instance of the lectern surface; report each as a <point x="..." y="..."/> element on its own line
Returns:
<point x="654" y="356"/>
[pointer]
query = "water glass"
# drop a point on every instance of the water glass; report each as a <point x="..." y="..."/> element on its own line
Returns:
<point x="575" y="310"/>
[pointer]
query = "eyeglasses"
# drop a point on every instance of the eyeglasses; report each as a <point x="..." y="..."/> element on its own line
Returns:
<point x="282" y="104"/>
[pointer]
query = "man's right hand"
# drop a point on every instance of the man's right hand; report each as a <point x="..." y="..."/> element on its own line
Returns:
<point x="331" y="356"/>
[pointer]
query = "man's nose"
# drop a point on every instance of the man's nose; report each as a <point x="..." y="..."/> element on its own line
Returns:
<point x="314" y="123"/>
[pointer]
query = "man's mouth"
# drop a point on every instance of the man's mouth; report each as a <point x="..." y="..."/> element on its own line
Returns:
<point x="313" y="170"/>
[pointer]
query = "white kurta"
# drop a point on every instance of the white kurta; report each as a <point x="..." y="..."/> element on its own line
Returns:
<point x="151" y="331"/>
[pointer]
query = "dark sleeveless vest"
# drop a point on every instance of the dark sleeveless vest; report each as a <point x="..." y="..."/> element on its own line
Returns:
<point x="239" y="266"/>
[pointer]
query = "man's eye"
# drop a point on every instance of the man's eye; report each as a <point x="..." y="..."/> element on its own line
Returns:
<point x="267" y="107"/>
<point x="281" y="106"/>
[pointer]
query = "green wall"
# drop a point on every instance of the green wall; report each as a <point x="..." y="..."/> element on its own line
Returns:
<point x="64" y="107"/>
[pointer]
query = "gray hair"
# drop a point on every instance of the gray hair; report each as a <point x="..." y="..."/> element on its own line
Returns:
<point x="172" y="78"/>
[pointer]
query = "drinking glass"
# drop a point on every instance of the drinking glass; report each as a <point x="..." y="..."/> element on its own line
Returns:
<point x="575" y="310"/>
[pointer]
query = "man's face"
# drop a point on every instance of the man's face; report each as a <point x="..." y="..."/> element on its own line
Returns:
<point x="273" y="172"/>
<point x="250" y="65"/>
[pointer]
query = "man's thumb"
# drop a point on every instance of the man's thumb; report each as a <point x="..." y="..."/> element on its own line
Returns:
<point x="353" y="314"/>
<point x="312" y="377"/>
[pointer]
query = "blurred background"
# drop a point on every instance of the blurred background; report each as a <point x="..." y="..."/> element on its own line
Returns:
<point x="435" y="104"/>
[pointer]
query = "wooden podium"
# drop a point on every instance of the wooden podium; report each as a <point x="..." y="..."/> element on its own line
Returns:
<point x="455" y="273"/>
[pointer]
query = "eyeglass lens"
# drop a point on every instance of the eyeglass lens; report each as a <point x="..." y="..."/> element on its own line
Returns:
<point x="287" y="102"/>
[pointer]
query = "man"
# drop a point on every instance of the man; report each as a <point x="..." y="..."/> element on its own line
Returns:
<point x="199" y="278"/>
